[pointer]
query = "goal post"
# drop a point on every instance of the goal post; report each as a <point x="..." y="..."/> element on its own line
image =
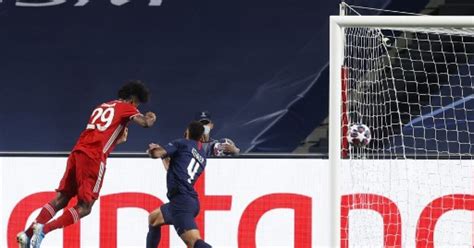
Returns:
<point x="336" y="56"/>
<point x="410" y="79"/>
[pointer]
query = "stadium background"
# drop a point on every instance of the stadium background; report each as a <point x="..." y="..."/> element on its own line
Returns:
<point x="260" y="67"/>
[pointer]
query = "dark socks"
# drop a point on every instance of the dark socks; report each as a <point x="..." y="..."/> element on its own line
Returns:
<point x="201" y="244"/>
<point x="153" y="237"/>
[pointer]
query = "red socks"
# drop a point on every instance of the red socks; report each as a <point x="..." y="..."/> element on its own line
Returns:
<point x="46" y="214"/>
<point x="69" y="217"/>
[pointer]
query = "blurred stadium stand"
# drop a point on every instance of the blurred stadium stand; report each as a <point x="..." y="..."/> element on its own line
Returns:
<point x="261" y="68"/>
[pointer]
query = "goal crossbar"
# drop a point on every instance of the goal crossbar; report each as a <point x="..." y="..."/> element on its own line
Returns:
<point x="403" y="21"/>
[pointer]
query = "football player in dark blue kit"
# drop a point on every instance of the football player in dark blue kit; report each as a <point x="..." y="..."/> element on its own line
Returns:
<point x="184" y="160"/>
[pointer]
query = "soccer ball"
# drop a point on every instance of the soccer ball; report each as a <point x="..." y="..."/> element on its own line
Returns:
<point x="218" y="149"/>
<point x="359" y="135"/>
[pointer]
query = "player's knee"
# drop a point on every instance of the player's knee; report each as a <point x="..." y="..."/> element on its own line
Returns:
<point x="156" y="218"/>
<point x="88" y="210"/>
<point x="151" y="220"/>
<point x="60" y="205"/>
<point x="84" y="209"/>
<point x="191" y="237"/>
<point x="60" y="201"/>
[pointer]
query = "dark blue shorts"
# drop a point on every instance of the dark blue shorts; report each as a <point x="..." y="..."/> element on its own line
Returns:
<point x="180" y="212"/>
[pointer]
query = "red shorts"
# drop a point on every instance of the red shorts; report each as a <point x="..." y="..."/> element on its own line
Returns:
<point x="83" y="177"/>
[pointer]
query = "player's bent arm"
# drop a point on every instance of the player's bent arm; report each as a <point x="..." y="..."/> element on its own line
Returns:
<point x="123" y="138"/>
<point x="156" y="151"/>
<point x="159" y="152"/>
<point x="146" y="120"/>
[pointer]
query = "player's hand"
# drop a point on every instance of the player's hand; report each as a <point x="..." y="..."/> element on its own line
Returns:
<point x="150" y="114"/>
<point x="151" y="117"/>
<point x="146" y="120"/>
<point x="151" y="148"/>
<point x="230" y="148"/>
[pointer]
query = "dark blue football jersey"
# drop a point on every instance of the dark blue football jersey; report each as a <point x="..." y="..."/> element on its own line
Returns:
<point x="188" y="160"/>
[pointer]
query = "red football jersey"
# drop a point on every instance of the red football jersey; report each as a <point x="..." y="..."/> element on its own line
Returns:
<point x="105" y="126"/>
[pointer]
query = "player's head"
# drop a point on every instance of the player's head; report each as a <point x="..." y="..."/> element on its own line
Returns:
<point x="205" y="118"/>
<point x="195" y="131"/>
<point x="135" y="92"/>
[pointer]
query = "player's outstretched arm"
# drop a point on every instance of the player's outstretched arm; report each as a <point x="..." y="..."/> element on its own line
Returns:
<point x="156" y="151"/>
<point x="146" y="120"/>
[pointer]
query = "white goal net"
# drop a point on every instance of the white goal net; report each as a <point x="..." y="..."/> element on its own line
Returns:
<point x="413" y="87"/>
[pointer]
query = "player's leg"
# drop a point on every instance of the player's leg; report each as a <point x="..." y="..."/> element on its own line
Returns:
<point x="192" y="238"/>
<point x="49" y="210"/>
<point x="88" y="176"/>
<point x="159" y="217"/>
<point x="84" y="208"/>
<point x="184" y="210"/>
<point x="69" y="216"/>
<point x="65" y="191"/>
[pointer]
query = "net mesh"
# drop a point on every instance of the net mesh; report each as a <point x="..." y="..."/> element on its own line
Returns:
<point x="414" y="89"/>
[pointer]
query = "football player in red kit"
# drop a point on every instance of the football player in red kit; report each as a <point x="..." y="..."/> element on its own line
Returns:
<point x="107" y="127"/>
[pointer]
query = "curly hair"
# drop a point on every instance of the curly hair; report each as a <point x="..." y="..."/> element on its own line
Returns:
<point x="134" y="88"/>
